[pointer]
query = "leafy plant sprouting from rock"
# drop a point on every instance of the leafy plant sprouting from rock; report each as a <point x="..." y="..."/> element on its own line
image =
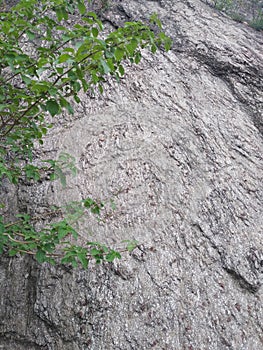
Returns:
<point x="45" y="61"/>
<point x="242" y="10"/>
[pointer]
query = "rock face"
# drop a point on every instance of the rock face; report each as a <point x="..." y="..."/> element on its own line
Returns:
<point x="178" y="146"/>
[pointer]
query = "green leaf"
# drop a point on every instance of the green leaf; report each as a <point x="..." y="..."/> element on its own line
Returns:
<point x="74" y="263"/>
<point x="119" y="53"/>
<point x="138" y="57"/>
<point x="12" y="252"/>
<point x="112" y="255"/>
<point x="95" y="209"/>
<point x="40" y="256"/>
<point x="105" y="66"/>
<point x="131" y="245"/>
<point x="69" y="257"/>
<point x="111" y="64"/>
<point x="74" y="233"/>
<point x="97" y="254"/>
<point x="95" y="32"/>
<point x="53" y="177"/>
<point x="59" y="14"/>
<point x="65" y="104"/>
<point x="153" y="48"/>
<point x="131" y="47"/>
<point x="121" y="70"/>
<point x="83" y="260"/>
<point x="68" y="49"/>
<point x="100" y="88"/>
<point x="82" y="8"/>
<point x="155" y="19"/>
<point x="61" y="28"/>
<point x="112" y="204"/>
<point x="167" y="44"/>
<point x="88" y="202"/>
<point x="32" y="172"/>
<point x="59" y="174"/>
<point x="64" y="57"/>
<point x="64" y="13"/>
<point x="60" y="70"/>
<point x="62" y="232"/>
<point x="52" y="107"/>
<point x="30" y="35"/>
<point x="42" y="61"/>
<point x="92" y="14"/>
<point x="70" y="109"/>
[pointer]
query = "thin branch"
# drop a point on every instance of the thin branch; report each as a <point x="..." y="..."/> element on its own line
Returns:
<point x="60" y="255"/>
<point x="35" y="218"/>
<point x="34" y="64"/>
<point x="17" y="241"/>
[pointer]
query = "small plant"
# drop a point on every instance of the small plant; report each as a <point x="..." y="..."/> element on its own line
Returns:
<point x="237" y="17"/>
<point x="240" y="11"/>
<point x="56" y="241"/>
<point x="257" y="23"/>
<point x="223" y="5"/>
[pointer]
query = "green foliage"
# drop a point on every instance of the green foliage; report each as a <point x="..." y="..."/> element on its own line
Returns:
<point x="52" y="243"/>
<point x="257" y="23"/>
<point x="223" y="5"/>
<point x="46" y="59"/>
<point x="249" y="11"/>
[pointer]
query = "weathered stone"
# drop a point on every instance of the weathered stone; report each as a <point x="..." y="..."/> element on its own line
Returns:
<point x="178" y="146"/>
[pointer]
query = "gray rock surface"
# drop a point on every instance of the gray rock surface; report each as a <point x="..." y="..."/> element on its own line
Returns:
<point x="178" y="146"/>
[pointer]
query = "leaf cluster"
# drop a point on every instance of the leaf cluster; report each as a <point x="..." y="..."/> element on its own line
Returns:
<point x="58" y="241"/>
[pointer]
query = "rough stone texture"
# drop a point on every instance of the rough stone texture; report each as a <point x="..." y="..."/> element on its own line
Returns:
<point x="178" y="146"/>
